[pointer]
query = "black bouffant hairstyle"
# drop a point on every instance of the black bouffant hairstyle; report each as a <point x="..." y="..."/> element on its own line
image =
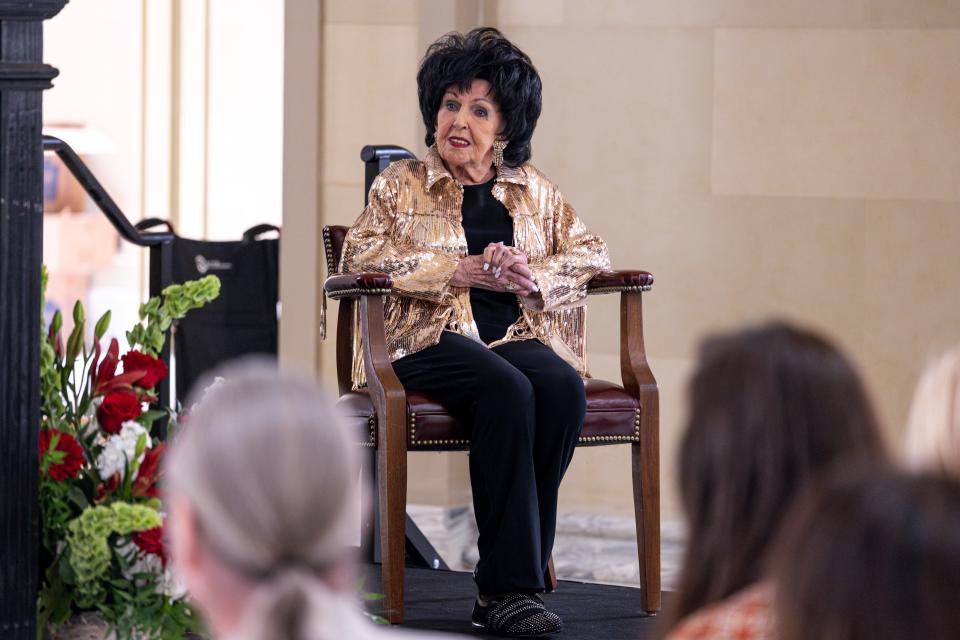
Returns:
<point x="456" y="59"/>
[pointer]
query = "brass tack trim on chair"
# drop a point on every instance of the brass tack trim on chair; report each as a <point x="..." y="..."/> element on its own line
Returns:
<point x="346" y="293"/>
<point x="634" y="438"/>
<point x="433" y="443"/>
<point x="608" y="439"/>
<point x="638" y="288"/>
<point x="372" y="442"/>
<point x="328" y="249"/>
<point x="442" y="443"/>
<point x="429" y="443"/>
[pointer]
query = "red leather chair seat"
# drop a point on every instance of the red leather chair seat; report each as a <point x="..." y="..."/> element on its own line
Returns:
<point x="612" y="416"/>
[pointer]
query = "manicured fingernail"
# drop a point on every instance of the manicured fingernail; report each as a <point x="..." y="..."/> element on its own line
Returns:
<point x="486" y="266"/>
<point x="536" y="289"/>
<point x="496" y="273"/>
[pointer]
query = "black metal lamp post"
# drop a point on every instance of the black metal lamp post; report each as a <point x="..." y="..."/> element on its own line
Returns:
<point x="23" y="77"/>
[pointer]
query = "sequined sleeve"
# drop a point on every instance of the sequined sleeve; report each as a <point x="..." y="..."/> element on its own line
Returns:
<point x="417" y="271"/>
<point x="576" y="257"/>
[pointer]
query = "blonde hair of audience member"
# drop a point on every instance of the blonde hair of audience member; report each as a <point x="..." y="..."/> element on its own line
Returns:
<point x="261" y="486"/>
<point x="933" y="426"/>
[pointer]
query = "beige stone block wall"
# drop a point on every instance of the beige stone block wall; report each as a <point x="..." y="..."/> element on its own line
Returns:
<point x="762" y="158"/>
<point x="837" y="113"/>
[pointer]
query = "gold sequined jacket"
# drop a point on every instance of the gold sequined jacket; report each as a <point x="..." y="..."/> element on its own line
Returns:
<point x="411" y="230"/>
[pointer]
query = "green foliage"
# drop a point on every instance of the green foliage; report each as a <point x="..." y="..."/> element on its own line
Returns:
<point x="369" y="596"/>
<point x="90" y="553"/>
<point x="156" y="314"/>
<point x="55" y="511"/>
<point x="51" y="400"/>
<point x="87" y="522"/>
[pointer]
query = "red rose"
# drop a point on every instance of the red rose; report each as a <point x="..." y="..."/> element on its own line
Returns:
<point x="154" y="369"/>
<point x="145" y="486"/>
<point x="66" y="456"/>
<point x="151" y="541"/>
<point x="117" y="408"/>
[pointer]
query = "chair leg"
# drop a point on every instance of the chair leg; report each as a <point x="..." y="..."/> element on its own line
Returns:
<point x="368" y="506"/>
<point x="646" y="504"/>
<point x="392" y="481"/>
<point x="550" y="577"/>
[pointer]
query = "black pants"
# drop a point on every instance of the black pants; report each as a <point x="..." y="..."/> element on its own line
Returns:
<point x="526" y="406"/>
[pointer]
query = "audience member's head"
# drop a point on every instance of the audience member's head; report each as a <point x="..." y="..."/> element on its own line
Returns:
<point x="933" y="428"/>
<point x="260" y="483"/>
<point x="874" y="556"/>
<point x="770" y="408"/>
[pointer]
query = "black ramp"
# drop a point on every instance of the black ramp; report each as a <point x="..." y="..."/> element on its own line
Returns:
<point x="443" y="601"/>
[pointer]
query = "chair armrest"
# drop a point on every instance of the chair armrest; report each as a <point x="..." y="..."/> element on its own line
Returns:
<point x="352" y="285"/>
<point x="620" y="281"/>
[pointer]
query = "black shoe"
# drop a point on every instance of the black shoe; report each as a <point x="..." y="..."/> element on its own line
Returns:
<point x="517" y="615"/>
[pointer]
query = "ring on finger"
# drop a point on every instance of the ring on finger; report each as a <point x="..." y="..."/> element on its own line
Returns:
<point x="510" y="286"/>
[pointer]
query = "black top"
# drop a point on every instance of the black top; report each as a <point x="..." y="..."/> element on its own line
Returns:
<point x="486" y="220"/>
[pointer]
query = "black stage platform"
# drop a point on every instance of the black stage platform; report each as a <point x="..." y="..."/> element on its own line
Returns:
<point x="443" y="600"/>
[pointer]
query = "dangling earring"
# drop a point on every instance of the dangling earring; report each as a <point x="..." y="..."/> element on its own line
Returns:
<point x="498" y="147"/>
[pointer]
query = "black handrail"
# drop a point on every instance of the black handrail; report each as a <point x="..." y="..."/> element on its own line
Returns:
<point x="100" y="196"/>
<point x="160" y="244"/>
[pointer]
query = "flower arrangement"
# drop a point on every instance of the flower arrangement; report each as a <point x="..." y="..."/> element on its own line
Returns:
<point x="101" y="511"/>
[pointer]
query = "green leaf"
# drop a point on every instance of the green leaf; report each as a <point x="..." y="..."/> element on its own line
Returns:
<point x="66" y="569"/>
<point x="147" y="418"/>
<point x="141" y="446"/>
<point x="77" y="497"/>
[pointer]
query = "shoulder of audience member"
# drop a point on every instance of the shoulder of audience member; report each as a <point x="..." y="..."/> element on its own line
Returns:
<point x="746" y="615"/>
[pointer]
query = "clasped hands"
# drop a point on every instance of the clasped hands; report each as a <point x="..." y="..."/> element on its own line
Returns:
<point x="498" y="268"/>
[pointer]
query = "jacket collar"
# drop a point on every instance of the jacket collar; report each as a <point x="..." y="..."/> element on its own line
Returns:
<point x="436" y="170"/>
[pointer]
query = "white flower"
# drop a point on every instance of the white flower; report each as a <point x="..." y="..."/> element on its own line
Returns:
<point x="167" y="582"/>
<point x="120" y="448"/>
<point x="171" y="586"/>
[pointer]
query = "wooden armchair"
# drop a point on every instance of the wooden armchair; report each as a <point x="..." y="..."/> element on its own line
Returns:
<point x="393" y="422"/>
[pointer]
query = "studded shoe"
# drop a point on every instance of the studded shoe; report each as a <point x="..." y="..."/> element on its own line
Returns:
<point x="517" y="615"/>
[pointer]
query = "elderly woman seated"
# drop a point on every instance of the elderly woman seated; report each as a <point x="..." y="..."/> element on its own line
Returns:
<point x="489" y="264"/>
<point x="261" y="484"/>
